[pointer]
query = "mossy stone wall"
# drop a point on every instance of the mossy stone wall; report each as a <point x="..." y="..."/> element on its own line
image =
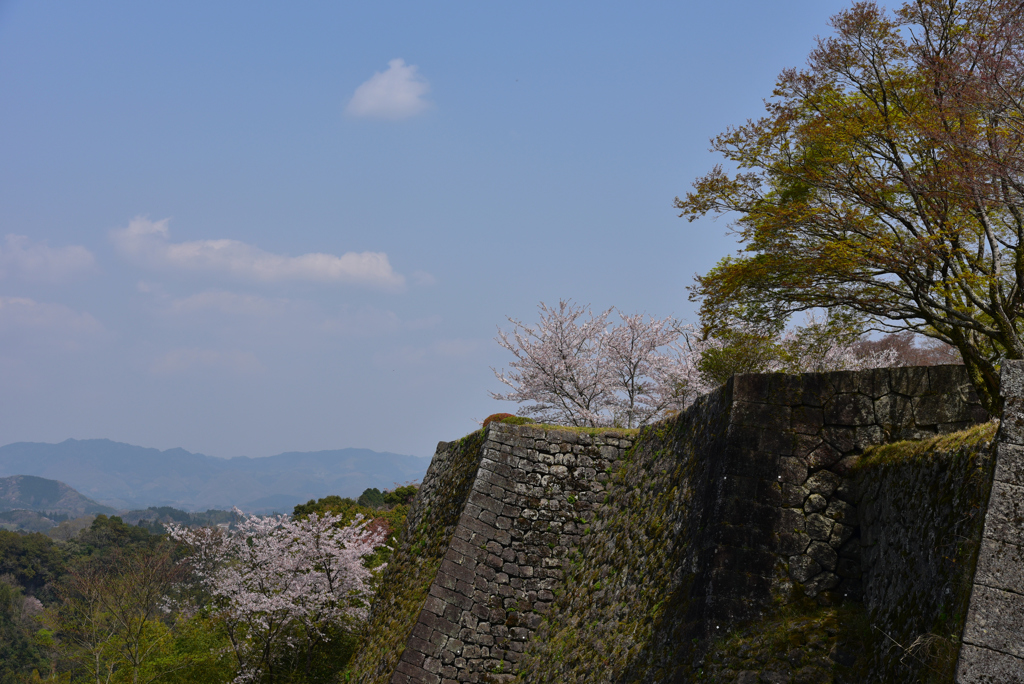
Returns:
<point x="724" y="544"/>
<point x="741" y="509"/>
<point x="412" y="569"/>
<point x="993" y="647"/>
<point x="486" y="545"/>
<point x="922" y="509"/>
<point x="632" y="607"/>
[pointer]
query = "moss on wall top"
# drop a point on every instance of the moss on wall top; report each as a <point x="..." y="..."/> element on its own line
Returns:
<point x="943" y="446"/>
<point x="922" y="513"/>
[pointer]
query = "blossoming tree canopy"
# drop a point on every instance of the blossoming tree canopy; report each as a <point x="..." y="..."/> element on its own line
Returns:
<point x="278" y="581"/>
<point x="577" y="368"/>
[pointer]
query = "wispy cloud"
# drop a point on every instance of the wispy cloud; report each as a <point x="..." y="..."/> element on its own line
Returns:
<point x="182" y="360"/>
<point x="230" y="303"/>
<point x="397" y="93"/>
<point x="290" y="317"/>
<point x="444" y="351"/>
<point x="423" y="279"/>
<point x="19" y="257"/>
<point x="147" y="242"/>
<point x="46" y="322"/>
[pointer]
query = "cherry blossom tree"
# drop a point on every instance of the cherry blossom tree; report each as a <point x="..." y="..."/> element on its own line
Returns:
<point x="577" y="368"/>
<point x="560" y="366"/>
<point x="283" y="585"/>
<point x="647" y="369"/>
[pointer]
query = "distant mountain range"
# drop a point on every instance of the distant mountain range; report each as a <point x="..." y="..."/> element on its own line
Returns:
<point x="30" y="493"/>
<point x="124" y="476"/>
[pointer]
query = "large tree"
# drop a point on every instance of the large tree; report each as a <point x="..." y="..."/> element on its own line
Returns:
<point x="886" y="179"/>
<point x="112" y="621"/>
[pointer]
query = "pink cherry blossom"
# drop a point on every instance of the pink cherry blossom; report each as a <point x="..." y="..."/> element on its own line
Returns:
<point x="278" y="581"/>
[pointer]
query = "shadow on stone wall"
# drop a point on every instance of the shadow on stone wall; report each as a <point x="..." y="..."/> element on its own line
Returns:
<point x="731" y="543"/>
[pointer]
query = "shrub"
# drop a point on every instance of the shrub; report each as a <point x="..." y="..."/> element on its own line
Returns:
<point x="506" y="418"/>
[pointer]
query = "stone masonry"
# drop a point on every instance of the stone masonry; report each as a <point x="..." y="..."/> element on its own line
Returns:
<point x="788" y="514"/>
<point x="993" y="640"/>
<point x="533" y="497"/>
<point x="780" y="510"/>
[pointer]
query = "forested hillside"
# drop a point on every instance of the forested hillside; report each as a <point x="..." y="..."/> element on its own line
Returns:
<point x="247" y="598"/>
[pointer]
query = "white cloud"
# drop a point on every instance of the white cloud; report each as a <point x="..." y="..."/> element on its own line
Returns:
<point x="279" y="316"/>
<point x="230" y="303"/>
<point x="147" y="242"/>
<point x="43" y="321"/>
<point x="38" y="261"/>
<point x="393" y="94"/>
<point x="182" y="360"/>
<point x="365" y="321"/>
<point x="439" y="352"/>
<point x="423" y="279"/>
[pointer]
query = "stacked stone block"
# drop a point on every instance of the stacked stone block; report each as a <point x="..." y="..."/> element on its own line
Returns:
<point x="993" y="640"/>
<point x="921" y="514"/>
<point x="778" y="505"/>
<point x="788" y="504"/>
<point x="532" y="501"/>
<point x="412" y="568"/>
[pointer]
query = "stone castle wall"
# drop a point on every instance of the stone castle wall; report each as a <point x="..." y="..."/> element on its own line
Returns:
<point x="533" y="498"/>
<point x="921" y="513"/>
<point x="413" y="566"/>
<point x="794" y="440"/>
<point x="614" y="556"/>
<point x="994" y="635"/>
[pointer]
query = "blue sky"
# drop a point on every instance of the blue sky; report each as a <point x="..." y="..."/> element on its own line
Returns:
<point x="248" y="228"/>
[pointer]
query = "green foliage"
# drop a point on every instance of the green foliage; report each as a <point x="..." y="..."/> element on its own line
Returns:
<point x="500" y="417"/>
<point x="349" y="509"/>
<point x="332" y="504"/>
<point x="69" y="529"/>
<point x="742" y="351"/>
<point x="109" y="535"/>
<point x="400" y="495"/>
<point x="319" y="662"/>
<point x="371" y="498"/>
<point x="153" y="518"/>
<point x="867" y="186"/>
<point x="28" y="521"/>
<point x="200" y="651"/>
<point x="110" y="622"/>
<point x="508" y="419"/>
<point x="33" y="560"/>
<point x="20" y="653"/>
<point x="517" y="420"/>
<point x="768" y="348"/>
<point x="104" y="587"/>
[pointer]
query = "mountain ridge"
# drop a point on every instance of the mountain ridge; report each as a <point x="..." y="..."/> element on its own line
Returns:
<point x="32" y="493"/>
<point x="125" y="476"/>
